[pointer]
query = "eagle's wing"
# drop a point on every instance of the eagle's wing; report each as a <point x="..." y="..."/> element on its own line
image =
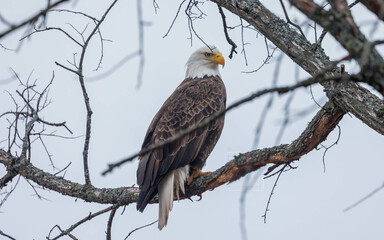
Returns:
<point x="192" y="102"/>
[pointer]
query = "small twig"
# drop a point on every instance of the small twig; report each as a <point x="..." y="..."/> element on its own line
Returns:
<point x="33" y="18"/>
<point x="10" y="192"/>
<point x="74" y="12"/>
<point x="365" y="198"/>
<point x="40" y="197"/>
<point x="265" y="61"/>
<point x="87" y="218"/>
<point x="242" y="42"/>
<point x="287" y="110"/>
<point x="62" y="124"/>
<point x="50" y="29"/>
<point x="324" y="32"/>
<point x="65" y="168"/>
<point x="109" y="224"/>
<point x="114" y="67"/>
<point x="61" y="230"/>
<point x="333" y="144"/>
<point x="289" y="20"/>
<point x="270" y="195"/>
<point x="6" y="235"/>
<point x="269" y="103"/>
<point x="141" y="43"/>
<point x="229" y="40"/>
<point x="85" y="94"/>
<point x="47" y="152"/>
<point x="67" y="68"/>
<point x="134" y="230"/>
<point x="155" y="6"/>
<point x="174" y="19"/>
<point x="191" y="17"/>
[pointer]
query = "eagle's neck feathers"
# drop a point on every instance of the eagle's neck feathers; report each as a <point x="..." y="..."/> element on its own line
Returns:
<point x="201" y="69"/>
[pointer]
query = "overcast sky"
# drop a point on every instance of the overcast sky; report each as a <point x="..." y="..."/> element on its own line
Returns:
<point x="308" y="202"/>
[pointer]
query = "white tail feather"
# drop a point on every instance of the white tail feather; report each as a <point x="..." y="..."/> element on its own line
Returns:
<point x="173" y="181"/>
<point x="165" y="189"/>
<point x="181" y="175"/>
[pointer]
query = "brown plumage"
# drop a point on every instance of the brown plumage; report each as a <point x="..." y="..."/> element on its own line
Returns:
<point x="168" y="167"/>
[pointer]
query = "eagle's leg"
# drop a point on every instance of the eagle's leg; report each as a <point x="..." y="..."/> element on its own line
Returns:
<point x="196" y="173"/>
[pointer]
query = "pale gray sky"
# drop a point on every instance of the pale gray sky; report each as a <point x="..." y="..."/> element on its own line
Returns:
<point x="308" y="203"/>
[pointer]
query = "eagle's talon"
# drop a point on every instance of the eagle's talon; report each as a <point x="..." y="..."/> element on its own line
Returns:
<point x="200" y="197"/>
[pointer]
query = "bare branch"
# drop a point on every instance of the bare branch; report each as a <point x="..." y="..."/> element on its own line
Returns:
<point x="191" y="16"/>
<point x="87" y="218"/>
<point x="268" y="105"/>
<point x="115" y="67"/>
<point x="8" y="193"/>
<point x="109" y="224"/>
<point x="272" y="191"/>
<point x="229" y="40"/>
<point x="7" y="178"/>
<point x="289" y="20"/>
<point x="324" y="32"/>
<point x="316" y="132"/>
<point x="67" y="68"/>
<point x="74" y="12"/>
<point x="311" y="60"/>
<point x="376" y="6"/>
<point x="33" y="18"/>
<point x="339" y="22"/>
<point x="365" y="198"/>
<point x="242" y="42"/>
<point x="333" y="144"/>
<point x="50" y="29"/>
<point x="174" y="19"/>
<point x="6" y="235"/>
<point x="141" y="43"/>
<point x="85" y="94"/>
<point x="134" y="230"/>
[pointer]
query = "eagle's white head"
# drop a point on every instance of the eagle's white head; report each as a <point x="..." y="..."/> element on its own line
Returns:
<point x="204" y="62"/>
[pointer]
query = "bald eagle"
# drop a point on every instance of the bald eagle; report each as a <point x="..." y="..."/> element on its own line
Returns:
<point x="167" y="169"/>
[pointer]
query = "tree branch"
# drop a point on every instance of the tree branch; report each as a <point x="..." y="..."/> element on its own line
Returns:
<point x="109" y="224"/>
<point x="316" y="132"/>
<point x="6" y="235"/>
<point x="375" y="6"/>
<point x="32" y="19"/>
<point x="85" y="94"/>
<point x="312" y="60"/>
<point x="229" y="40"/>
<point x="340" y="24"/>
<point x="87" y="218"/>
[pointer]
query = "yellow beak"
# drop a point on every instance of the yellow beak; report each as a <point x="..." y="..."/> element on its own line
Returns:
<point x="218" y="58"/>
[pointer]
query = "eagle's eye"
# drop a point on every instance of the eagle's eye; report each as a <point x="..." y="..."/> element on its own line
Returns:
<point x="207" y="54"/>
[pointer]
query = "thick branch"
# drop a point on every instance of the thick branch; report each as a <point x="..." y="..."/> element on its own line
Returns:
<point x="376" y="6"/>
<point x="340" y="24"/>
<point x="7" y="178"/>
<point x="362" y="103"/>
<point x="316" y="132"/>
<point x="313" y="60"/>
